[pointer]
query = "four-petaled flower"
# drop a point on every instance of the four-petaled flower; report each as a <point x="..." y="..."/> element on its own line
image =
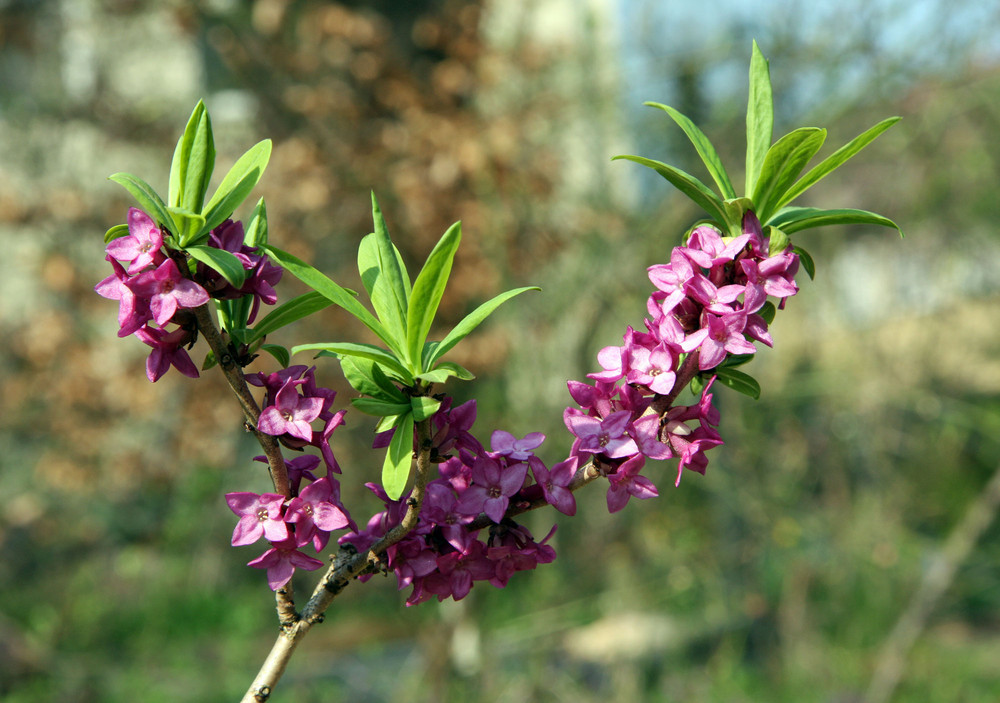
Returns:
<point x="291" y="413"/>
<point x="260" y="516"/>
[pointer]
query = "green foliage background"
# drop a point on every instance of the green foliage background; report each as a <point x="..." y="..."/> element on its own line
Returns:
<point x="777" y="577"/>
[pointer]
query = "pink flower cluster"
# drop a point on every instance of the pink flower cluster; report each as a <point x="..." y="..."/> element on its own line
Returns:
<point x="293" y="401"/>
<point x="153" y="289"/>
<point x="707" y="301"/>
<point x="445" y="553"/>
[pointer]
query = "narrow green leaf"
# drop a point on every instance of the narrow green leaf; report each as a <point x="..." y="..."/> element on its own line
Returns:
<point x="807" y="261"/>
<point x="379" y="407"/>
<point x="194" y="159"/>
<point x="782" y="165"/>
<point x="777" y="240"/>
<point x="445" y="370"/>
<point x="256" y="232"/>
<point x="147" y="198"/>
<point x="289" y="312"/>
<point x="188" y="226"/>
<point x="760" y="117"/>
<point x="380" y="270"/>
<point x="835" y="160"/>
<point x="428" y="289"/>
<point x="738" y="381"/>
<point x="365" y="376"/>
<point x="279" y="353"/>
<point x="697" y="191"/>
<point x="233" y="314"/>
<point x="796" y="219"/>
<point x="365" y="351"/>
<point x="328" y="288"/>
<point x="471" y="322"/>
<point x="237" y="184"/>
<point x="222" y="261"/>
<point x="115" y="232"/>
<point x="733" y="360"/>
<point x="396" y="469"/>
<point x="423" y="407"/>
<point x="704" y="148"/>
<point x="768" y="312"/>
<point x="210" y="361"/>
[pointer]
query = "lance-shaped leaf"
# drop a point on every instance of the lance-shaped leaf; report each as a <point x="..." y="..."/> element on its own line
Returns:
<point x="384" y="279"/>
<point x="288" y="312"/>
<point x="704" y="148"/>
<point x="280" y="354"/>
<point x="423" y="407"/>
<point x="697" y="191"/>
<point x="782" y="165"/>
<point x="256" y="232"/>
<point x="115" y="232"/>
<point x="380" y="407"/>
<point x="327" y="287"/>
<point x="364" y="351"/>
<point x="222" y="261"/>
<point x="834" y="161"/>
<point x="188" y="226"/>
<point x="194" y="159"/>
<point x="796" y="219"/>
<point x="237" y="184"/>
<point x="760" y="117"/>
<point x="738" y="381"/>
<point x="806" y="260"/>
<point x="365" y="376"/>
<point x="469" y="323"/>
<point x="445" y="370"/>
<point x="396" y="468"/>
<point x="233" y="314"/>
<point x="428" y="289"/>
<point x="147" y="198"/>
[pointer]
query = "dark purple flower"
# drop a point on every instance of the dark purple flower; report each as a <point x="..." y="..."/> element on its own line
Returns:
<point x="281" y="560"/>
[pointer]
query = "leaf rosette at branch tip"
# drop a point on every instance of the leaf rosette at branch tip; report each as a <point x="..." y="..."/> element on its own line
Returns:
<point x="395" y="379"/>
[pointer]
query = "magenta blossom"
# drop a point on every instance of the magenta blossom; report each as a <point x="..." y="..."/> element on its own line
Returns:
<point x="281" y="560"/>
<point x="260" y="516"/>
<point x="626" y="482"/>
<point x="516" y="449"/>
<point x="314" y="514"/>
<point x="291" y="413"/>
<point x="492" y="487"/>
<point x="142" y="244"/>
<point x="167" y="290"/>
<point x="554" y="483"/>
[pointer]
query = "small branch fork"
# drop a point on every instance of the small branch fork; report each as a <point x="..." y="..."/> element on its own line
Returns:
<point x="347" y="564"/>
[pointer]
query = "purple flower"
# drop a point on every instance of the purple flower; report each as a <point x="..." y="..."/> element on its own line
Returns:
<point x="605" y="436"/>
<point x="626" y="482"/>
<point x="554" y="483"/>
<point x="167" y="290"/>
<point x="260" y="516"/>
<point x="142" y="245"/>
<point x="168" y="350"/>
<point x="133" y="312"/>
<point x="291" y="413"/>
<point x="721" y="335"/>
<point x="517" y="449"/>
<point x="314" y="514"/>
<point x="492" y="487"/>
<point x="281" y="561"/>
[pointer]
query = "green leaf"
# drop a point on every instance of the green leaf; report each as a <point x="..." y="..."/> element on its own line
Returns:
<point x="335" y="293"/>
<point x="806" y="261"/>
<point x="222" y="261"/>
<point x="768" y="312"/>
<point x="796" y="219"/>
<point x="256" y="232"/>
<point x="777" y="240"/>
<point x="115" y="232"/>
<point x="396" y="469"/>
<point x="209" y="362"/>
<point x="147" y="198"/>
<point x="697" y="191"/>
<point x="782" y="165"/>
<point x="469" y="323"/>
<point x="733" y="360"/>
<point x="834" y="161"/>
<point x="365" y="376"/>
<point x="428" y="289"/>
<point x="365" y="351"/>
<point x="289" y="312"/>
<point x="233" y="314"/>
<point x="382" y="275"/>
<point x="423" y="407"/>
<point x="760" y="117"/>
<point x="237" y="184"/>
<point x="279" y="353"/>
<point x="738" y="381"/>
<point x="704" y="148"/>
<point x="445" y="370"/>
<point x="380" y="408"/>
<point x="194" y="159"/>
<point x="188" y="226"/>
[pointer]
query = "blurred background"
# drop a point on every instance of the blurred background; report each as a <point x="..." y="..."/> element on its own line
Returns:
<point x="779" y="576"/>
